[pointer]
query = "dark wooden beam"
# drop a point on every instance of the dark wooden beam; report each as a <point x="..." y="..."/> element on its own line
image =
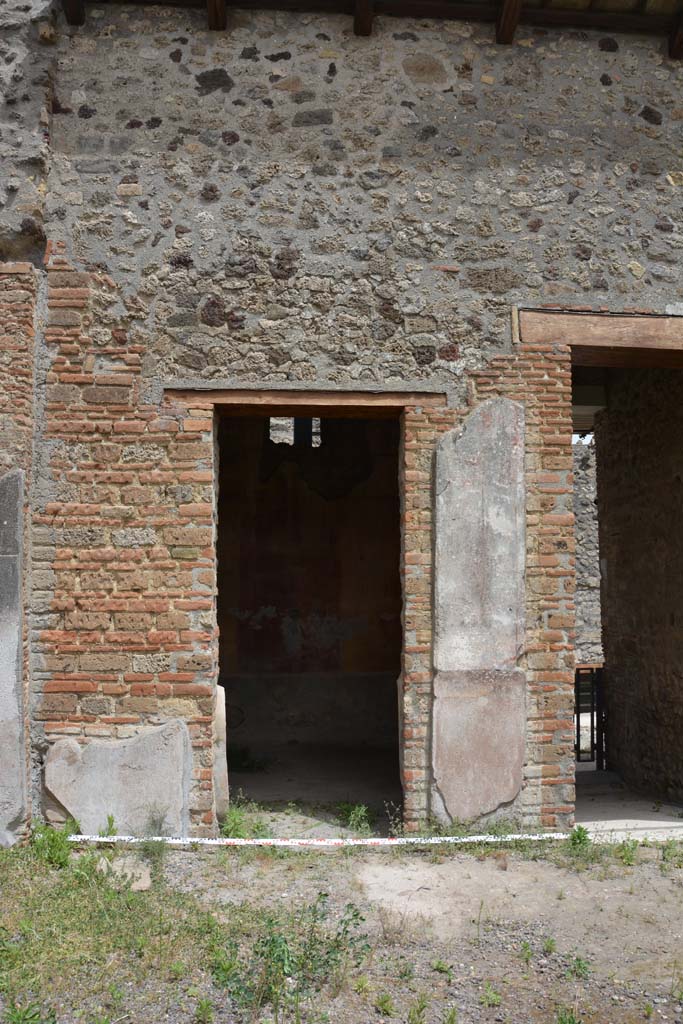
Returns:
<point x="362" y="17"/>
<point x="74" y="11"/>
<point x="548" y="17"/>
<point x="218" y="14"/>
<point x="676" y="40"/>
<point x="507" y="22"/>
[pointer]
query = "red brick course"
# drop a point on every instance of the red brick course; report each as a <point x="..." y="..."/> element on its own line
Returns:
<point x="130" y="634"/>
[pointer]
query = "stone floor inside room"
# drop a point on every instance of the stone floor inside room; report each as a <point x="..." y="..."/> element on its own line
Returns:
<point x="605" y="805"/>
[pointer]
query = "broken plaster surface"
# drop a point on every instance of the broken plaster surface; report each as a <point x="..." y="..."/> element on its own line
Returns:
<point x="479" y="714"/>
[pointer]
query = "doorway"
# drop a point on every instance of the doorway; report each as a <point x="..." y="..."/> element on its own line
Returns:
<point x="309" y="605"/>
<point x="637" y="418"/>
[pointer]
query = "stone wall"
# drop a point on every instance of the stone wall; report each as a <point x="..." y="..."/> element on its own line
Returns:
<point x="27" y="37"/>
<point x="286" y="205"/>
<point x="588" y="622"/>
<point x="640" y="473"/>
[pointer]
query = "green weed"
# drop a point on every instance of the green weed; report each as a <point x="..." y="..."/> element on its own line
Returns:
<point x="450" y="1016"/>
<point x="52" y="845"/>
<point x="441" y="967"/>
<point x="31" y="1013"/>
<point x="288" y="960"/>
<point x="627" y="852"/>
<point x="417" y="1013"/>
<point x="489" y="996"/>
<point x="579" y="969"/>
<point x="355" y="817"/>
<point x="549" y="946"/>
<point x="203" y="1013"/>
<point x="527" y="952"/>
<point x="109" y="829"/>
<point x="384" y="1005"/>
<point x="579" y="840"/>
<point x="243" y="821"/>
<point x="567" y="1016"/>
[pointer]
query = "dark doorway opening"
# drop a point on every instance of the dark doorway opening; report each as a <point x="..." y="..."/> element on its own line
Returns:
<point x="309" y="606"/>
<point x="636" y="415"/>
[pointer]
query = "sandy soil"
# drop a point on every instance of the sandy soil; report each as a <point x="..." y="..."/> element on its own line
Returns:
<point x="605" y="941"/>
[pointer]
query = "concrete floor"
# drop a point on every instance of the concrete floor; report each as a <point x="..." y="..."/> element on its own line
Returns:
<point x="322" y="775"/>
<point x="319" y="777"/>
<point x="604" y="805"/>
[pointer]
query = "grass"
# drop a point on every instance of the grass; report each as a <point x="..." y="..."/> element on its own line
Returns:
<point x="384" y="1005"/>
<point x="356" y="817"/>
<point x="74" y="934"/>
<point x="243" y="820"/>
<point x="489" y="996"/>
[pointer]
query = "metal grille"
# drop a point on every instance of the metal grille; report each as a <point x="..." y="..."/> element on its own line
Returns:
<point x="589" y="690"/>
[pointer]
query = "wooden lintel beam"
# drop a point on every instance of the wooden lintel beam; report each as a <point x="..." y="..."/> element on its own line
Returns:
<point x="74" y="11"/>
<point x="587" y="332"/>
<point x="507" y="22"/>
<point x="676" y="40"/>
<point x="362" y="17"/>
<point x="217" y="14"/>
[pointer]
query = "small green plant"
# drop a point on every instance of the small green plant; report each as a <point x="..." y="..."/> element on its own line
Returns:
<point x="361" y="985"/>
<point x="177" y="970"/>
<point x="441" y="967"/>
<point x="109" y="829"/>
<point x="153" y="849"/>
<point x="672" y="854"/>
<point x="579" y="839"/>
<point x="242" y="821"/>
<point x="579" y="969"/>
<point x="52" y="845"/>
<point x="450" y="1016"/>
<point x="567" y="1016"/>
<point x="489" y="996"/>
<point x="203" y="1013"/>
<point x="355" y="817"/>
<point x="526" y="952"/>
<point x="648" y="1011"/>
<point x="549" y="946"/>
<point x="384" y="1005"/>
<point x="627" y="852"/>
<point x="29" y="1014"/>
<point x="405" y="968"/>
<point x="417" y="1013"/>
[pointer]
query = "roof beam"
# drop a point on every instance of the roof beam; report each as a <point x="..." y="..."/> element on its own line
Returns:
<point x="217" y="14"/>
<point x="508" y="19"/>
<point x="362" y="17"/>
<point x="74" y="11"/>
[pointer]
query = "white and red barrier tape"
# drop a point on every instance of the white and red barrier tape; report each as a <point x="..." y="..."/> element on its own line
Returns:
<point x="322" y="842"/>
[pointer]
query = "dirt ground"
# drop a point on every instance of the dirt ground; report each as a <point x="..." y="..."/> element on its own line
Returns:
<point x="603" y="940"/>
<point x="556" y="934"/>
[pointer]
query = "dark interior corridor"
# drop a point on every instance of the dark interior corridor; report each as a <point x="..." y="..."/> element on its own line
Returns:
<point x="309" y="607"/>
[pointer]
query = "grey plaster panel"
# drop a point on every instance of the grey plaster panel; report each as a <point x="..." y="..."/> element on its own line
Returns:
<point x="134" y="779"/>
<point x="478" y="742"/>
<point x="220" y="755"/>
<point x="12" y="732"/>
<point x="480" y="540"/>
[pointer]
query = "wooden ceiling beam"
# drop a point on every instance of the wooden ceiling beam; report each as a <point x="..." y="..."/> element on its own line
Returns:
<point x="362" y="17"/>
<point x="74" y="11"/>
<point x="217" y="14"/>
<point x="363" y="11"/>
<point x="508" y="20"/>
